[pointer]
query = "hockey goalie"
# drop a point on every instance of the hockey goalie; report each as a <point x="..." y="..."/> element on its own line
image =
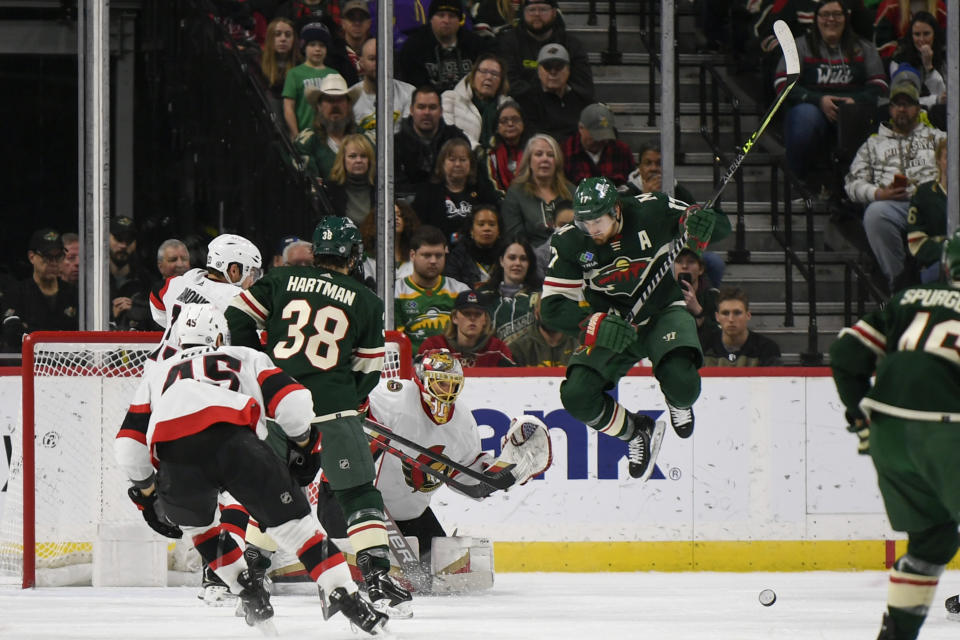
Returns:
<point x="426" y="410"/>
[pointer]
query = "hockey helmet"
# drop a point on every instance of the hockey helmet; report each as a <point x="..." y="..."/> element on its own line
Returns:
<point x="200" y="324"/>
<point x="227" y="249"/>
<point x="440" y="375"/>
<point x="339" y="237"/>
<point x="951" y="256"/>
<point x="595" y="197"/>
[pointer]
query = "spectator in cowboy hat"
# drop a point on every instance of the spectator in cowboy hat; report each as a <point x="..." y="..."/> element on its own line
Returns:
<point x="333" y="120"/>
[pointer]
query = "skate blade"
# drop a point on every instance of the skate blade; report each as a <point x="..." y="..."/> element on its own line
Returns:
<point x="655" y="441"/>
<point x="381" y="630"/>
<point x="402" y="610"/>
<point x="267" y="628"/>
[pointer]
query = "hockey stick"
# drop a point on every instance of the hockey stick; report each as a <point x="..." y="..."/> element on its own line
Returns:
<point x="408" y="560"/>
<point x="789" y="48"/>
<point x="501" y="479"/>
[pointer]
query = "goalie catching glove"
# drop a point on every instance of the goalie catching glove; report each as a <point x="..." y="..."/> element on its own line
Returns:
<point x="527" y="447"/>
<point x="699" y="224"/>
<point x="148" y="508"/>
<point x="304" y="461"/>
<point x="608" y="332"/>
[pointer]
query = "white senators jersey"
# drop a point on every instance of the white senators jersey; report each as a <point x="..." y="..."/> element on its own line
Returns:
<point x="192" y="287"/>
<point x="202" y="386"/>
<point x="406" y="490"/>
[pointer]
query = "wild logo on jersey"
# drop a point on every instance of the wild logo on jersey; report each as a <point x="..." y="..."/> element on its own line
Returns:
<point x="432" y="319"/>
<point x="417" y="479"/>
<point x="622" y="277"/>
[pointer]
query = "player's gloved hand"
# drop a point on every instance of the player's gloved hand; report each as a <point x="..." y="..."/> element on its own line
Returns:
<point x="304" y="462"/>
<point x="699" y="223"/>
<point x="608" y="332"/>
<point x="148" y="508"/>
<point x="860" y="426"/>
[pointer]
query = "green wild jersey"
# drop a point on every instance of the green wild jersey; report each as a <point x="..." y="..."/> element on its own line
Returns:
<point x="913" y="343"/>
<point x="323" y="328"/>
<point x="421" y="313"/>
<point x="611" y="276"/>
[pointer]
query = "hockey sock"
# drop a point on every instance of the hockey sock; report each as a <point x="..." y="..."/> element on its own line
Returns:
<point x="220" y="552"/>
<point x="321" y="557"/>
<point x="678" y="377"/>
<point x="364" y="511"/>
<point x="582" y="395"/>
<point x="913" y="584"/>
<point x="233" y="520"/>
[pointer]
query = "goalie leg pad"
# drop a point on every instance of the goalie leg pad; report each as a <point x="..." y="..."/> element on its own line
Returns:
<point x="461" y="564"/>
<point x="526" y="445"/>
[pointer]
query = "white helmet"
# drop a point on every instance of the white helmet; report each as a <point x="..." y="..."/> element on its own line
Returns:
<point x="228" y="248"/>
<point x="200" y="324"/>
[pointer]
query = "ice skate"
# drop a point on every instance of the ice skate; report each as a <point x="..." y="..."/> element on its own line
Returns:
<point x="256" y="599"/>
<point x="358" y="611"/>
<point x="643" y="448"/>
<point x="682" y="420"/>
<point x="385" y="593"/>
<point x="888" y="631"/>
<point x="213" y="591"/>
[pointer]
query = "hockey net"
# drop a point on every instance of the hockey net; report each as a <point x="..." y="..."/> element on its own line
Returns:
<point x="63" y="482"/>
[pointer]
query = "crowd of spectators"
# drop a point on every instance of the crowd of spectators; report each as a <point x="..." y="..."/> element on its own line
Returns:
<point x="495" y="122"/>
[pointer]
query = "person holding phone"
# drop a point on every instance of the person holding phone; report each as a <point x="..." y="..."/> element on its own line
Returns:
<point x="699" y="294"/>
<point x="886" y="170"/>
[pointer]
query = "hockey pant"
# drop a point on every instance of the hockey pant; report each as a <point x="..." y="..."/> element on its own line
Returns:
<point x="192" y="471"/>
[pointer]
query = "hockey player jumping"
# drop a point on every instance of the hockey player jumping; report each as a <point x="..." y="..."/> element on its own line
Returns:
<point x="599" y="268"/>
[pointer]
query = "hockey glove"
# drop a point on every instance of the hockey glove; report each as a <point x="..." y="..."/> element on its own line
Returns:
<point x="608" y="332"/>
<point x="859" y="425"/>
<point x="699" y="224"/>
<point x="304" y="462"/>
<point x="148" y="508"/>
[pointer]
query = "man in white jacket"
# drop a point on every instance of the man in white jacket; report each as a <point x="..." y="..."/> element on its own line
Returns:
<point x="886" y="170"/>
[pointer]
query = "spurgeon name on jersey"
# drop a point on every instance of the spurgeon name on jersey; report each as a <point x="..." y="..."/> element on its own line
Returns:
<point x="914" y="344"/>
<point x="317" y="321"/>
<point x="612" y="276"/>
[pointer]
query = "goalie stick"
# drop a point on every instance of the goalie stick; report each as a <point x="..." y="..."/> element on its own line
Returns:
<point x="477" y="491"/>
<point x="789" y="48"/>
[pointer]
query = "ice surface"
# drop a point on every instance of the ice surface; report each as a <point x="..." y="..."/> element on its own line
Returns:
<point x="555" y="606"/>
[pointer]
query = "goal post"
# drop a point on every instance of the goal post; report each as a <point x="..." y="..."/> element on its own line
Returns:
<point x="64" y="483"/>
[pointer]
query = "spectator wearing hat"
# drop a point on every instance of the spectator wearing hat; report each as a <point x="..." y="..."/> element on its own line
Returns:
<point x="552" y="106"/>
<point x="347" y="42"/>
<point x="332" y="122"/>
<point x="365" y="94"/>
<point x="129" y="279"/>
<point x="595" y="151"/>
<point x="887" y="169"/>
<point x="43" y="301"/>
<point x="417" y="144"/>
<point x="469" y="335"/>
<point x="297" y="112"/>
<point x="442" y="51"/>
<point x="541" y="24"/>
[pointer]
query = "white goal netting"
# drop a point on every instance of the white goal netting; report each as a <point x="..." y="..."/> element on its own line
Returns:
<point x="81" y="392"/>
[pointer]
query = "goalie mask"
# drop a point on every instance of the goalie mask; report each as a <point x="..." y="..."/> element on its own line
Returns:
<point x="440" y="377"/>
<point x="227" y="249"/>
<point x="200" y="324"/>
